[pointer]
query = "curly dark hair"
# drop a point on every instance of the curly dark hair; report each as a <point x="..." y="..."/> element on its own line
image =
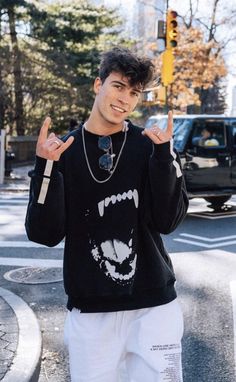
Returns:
<point x="138" y="70"/>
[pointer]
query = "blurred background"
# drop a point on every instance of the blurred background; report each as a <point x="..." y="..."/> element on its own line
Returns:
<point x="50" y="52"/>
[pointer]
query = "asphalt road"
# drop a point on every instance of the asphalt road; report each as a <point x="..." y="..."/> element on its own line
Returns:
<point x="203" y="250"/>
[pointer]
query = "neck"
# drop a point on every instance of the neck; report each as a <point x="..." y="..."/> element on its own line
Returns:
<point x="93" y="125"/>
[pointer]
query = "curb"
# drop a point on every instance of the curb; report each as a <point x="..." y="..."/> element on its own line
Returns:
<point x="26" y="362"/>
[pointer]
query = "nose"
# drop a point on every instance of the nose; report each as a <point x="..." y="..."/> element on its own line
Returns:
<point x="123" y="101"/>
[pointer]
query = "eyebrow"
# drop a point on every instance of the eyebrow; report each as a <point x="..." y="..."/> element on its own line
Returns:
<point x="125" y="85"/>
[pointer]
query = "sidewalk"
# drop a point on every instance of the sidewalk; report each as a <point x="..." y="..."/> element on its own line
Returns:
<point x="20" y="336"/>
<point x="19" y="180"/>
<point x="20" y="340"/>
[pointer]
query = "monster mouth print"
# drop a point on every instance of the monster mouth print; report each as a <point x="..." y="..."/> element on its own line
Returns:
<point x="116" y="259"/>
<point x="115" y="251"/>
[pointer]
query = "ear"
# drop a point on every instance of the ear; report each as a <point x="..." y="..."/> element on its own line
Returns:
<point x="97" y="85"/>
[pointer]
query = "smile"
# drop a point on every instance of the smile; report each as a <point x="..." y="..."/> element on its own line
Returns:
<point x="117" y="108"/>
<point x="117" y="199"/>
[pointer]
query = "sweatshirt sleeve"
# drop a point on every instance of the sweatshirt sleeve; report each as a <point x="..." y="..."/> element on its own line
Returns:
<point x="169" y="201"/>
<point x="45" y="217"/>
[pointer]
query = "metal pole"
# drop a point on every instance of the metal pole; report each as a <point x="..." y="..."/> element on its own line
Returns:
<point x="166" y="103"/>
<point x="2" y="155"/>
<point x="167" y="4"/>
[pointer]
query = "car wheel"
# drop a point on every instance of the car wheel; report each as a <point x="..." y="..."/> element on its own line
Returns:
<point x="217" y="201"/>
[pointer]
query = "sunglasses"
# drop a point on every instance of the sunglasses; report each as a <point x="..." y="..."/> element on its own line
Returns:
<point x="106" y="160"/>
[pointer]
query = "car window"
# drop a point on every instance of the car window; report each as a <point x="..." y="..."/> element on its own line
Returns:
<point x="182" y="128"/>
<point x="234" y="132"/>
<point x="161" y="122"/>
<point x="209" y="133"/>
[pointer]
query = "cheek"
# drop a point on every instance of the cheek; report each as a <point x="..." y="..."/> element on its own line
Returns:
<point x="134" y="103"/>
<point x="104" y="97"/>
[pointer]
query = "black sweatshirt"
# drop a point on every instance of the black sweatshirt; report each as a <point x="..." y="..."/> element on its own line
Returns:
<point x="114" y="258"/>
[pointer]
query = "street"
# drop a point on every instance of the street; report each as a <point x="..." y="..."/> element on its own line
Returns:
<point x="203" y="251"/>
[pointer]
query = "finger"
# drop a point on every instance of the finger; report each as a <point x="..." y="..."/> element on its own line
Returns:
<point x="155" y="138"/>
<point x="155" y="130"/>
<point x="51" y="135"/>
<point x="44" y="130"/>
<point x="65" y="145"/>
<point x="169" y="129"/>
<point x="55" y="143"/>
<point x="152" y="132"/>
<point x="53" y="140"/>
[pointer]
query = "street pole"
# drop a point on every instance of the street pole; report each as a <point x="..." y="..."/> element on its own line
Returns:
<point x="166" y="103"/>
<point x="2" y="155"/>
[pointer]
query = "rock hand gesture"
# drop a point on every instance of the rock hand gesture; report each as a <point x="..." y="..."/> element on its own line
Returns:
<point x="50" y="147"/>
<point x="159" y="136"/>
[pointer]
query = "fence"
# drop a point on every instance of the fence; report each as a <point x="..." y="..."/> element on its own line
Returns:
<point x="23" y="148"/>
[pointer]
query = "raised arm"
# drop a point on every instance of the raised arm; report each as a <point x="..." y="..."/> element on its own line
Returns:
<point x="168" y="196"/>
<point x="45" y="218"/>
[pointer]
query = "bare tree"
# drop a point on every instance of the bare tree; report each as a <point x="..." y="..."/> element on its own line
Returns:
<point x="2" y="104"/>
<point x="19" y="109"/>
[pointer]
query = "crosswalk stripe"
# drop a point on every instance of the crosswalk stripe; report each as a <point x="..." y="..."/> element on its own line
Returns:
<point x="26" y="244"/>
<point x="199" y="244"/>
<point x="28" y="262"/>
<point x="10" y="202"/>
<point x="204" y="238"/>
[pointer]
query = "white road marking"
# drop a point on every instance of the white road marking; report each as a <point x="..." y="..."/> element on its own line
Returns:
<point x="204" y="238"/>
<point x="233" y="296"/>
<point x="217" y="242"/>
<point x="13" y="201"/>
<point x="26" y="244"/>
<point x="224" y="243"/>
<point x="25" y="262"/>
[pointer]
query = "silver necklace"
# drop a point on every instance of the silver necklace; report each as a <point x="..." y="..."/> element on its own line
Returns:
<point x="117" y="161"/>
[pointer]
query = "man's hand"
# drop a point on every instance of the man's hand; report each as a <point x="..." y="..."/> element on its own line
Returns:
<point x="159" y="136"/>
<point x="50" y="147"/>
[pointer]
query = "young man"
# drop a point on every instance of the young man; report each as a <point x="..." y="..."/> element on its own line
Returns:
<point x="110" y="188"/>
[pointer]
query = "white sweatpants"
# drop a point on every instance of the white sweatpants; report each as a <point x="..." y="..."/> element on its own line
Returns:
<point x="127" y="346"/>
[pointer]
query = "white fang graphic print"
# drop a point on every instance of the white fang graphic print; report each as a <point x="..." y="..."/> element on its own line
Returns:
<point x="118" y="198"/>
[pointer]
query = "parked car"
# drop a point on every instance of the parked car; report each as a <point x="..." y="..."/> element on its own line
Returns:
<point x="207" y="147"/>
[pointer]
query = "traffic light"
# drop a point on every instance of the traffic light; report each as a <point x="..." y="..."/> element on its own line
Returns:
<point x="167" y="68"/>
<point x="171" y="29"/>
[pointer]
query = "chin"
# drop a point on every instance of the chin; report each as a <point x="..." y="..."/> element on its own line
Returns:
<point x="117" y="120"/>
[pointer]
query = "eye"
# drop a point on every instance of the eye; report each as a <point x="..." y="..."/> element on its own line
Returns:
<point x="117" y="86"/>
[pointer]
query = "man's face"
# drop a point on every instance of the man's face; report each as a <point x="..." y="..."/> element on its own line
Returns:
<point x="205" y="133"/>
<point x="115" y="98"/>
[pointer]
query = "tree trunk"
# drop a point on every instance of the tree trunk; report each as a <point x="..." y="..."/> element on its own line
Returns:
<point x="2" y="106"/>
<point x="19" y="110"/>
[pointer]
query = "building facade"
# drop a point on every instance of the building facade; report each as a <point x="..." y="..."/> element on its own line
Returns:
<point x="140" y="21"/>
<point x="233" y="109"/>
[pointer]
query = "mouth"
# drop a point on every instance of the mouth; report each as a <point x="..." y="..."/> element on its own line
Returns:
<point x="116" y="259"/>
<point x="119" y="109"/>
<point x="114" y="269"/>
<point x="117" y="199"/>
